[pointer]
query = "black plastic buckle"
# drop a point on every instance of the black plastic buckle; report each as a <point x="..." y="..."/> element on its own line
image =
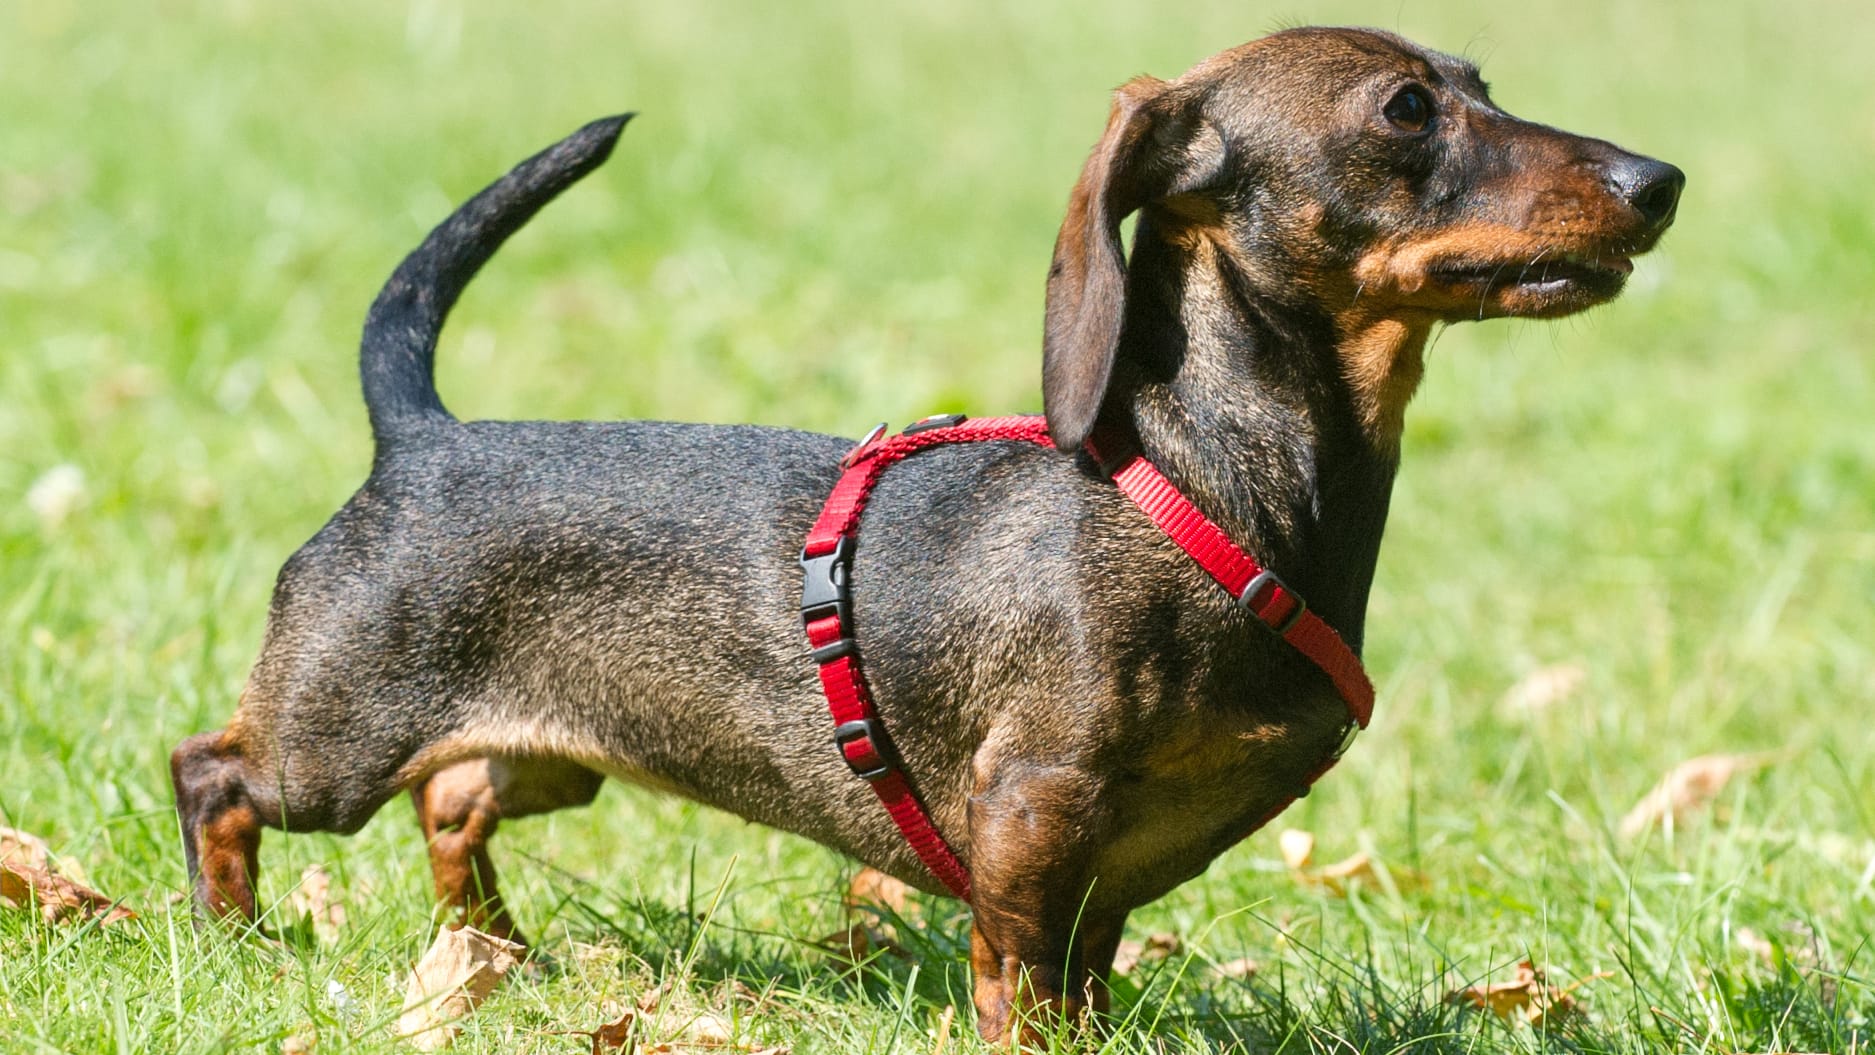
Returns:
<point x="869" y="730"/>
<point x="824" y="588"/>
<point x="1268" y="580"/>
<point x="832" y="650"/>
<point x="935" y="421"/>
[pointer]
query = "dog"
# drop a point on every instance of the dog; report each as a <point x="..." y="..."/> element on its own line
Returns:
<point x="507" y="613"/>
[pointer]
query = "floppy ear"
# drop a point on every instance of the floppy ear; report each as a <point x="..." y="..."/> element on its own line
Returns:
<point x="1155" y="145"/>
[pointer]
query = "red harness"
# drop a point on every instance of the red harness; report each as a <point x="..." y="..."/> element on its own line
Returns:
<point x="826" y="607"/>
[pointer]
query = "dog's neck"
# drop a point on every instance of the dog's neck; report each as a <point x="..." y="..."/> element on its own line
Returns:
<point x="1281" y="423"/>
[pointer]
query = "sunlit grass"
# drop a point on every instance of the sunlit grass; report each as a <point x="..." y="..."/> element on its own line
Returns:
<point x="831" y="213"/>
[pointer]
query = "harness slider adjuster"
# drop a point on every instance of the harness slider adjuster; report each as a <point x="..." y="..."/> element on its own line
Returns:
<point x="874" y="761"/>
<point x="827" y="653"/>
<point x="935" y="421"/>
<point x="865" y="448"/>
<point x="824" y="587"/>
<point x="1266" y="580"/>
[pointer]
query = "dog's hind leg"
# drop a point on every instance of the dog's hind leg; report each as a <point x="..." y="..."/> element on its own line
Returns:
<point x="460" y="807"/>
<point x="310" y="758"/>
<point x="228" y="787"/>
<point x="220" y="824"/>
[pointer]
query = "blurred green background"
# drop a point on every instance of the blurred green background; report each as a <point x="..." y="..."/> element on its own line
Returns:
<point x="831" y="213"/>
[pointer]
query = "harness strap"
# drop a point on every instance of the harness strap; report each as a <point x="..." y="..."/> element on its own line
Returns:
<point x="826" y="606"/>
<point x="1261" y="592"/>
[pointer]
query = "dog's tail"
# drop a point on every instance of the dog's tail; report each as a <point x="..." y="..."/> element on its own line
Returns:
<point x="398" y="356"/>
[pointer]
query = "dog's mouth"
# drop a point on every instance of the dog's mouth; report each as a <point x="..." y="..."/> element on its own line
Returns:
<point x="1546" y="284"/>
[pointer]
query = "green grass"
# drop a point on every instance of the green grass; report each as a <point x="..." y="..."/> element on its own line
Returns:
<point x="835" y="212"/>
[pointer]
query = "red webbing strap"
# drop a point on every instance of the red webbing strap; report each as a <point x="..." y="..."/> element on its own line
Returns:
<point x="840" y="516"/>
<point x="1272" y="601"/>
<point x="857" y="732"/>
<point x="826" y="608"/>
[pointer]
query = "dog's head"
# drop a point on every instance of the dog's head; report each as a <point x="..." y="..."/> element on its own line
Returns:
<point x="1351" y="175"/>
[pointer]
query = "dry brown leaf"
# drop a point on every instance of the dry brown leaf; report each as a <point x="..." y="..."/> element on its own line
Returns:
<point x="1528" y="996"/>
<point x="23" y="848"/>
<point x="57" y="897"/>
<point x="1544" y="688"/>
<point x="1155" y="948"/>
<point x="313" y="899"/>
<point x="870" y="899"/>
<point x="1240" y="968"/>
<point x="1689" y="786"/>
<point x="704" y="1030"/>
<point x="1298" y="849"/>
<point x="709" y="1028"/>
<point x="853" y="943"/>
<point x="650" y="1002"/>
<point x="1297" y="846"/>
<point x="873" y="888"/>
<point x="613" y="1036"/>
<point x="859" y="941"/>
<point x="1339" y="876"/>
<point x="462" y="967"/>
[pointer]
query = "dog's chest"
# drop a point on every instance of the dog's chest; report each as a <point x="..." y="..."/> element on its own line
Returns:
<point x="1192" y="795"/>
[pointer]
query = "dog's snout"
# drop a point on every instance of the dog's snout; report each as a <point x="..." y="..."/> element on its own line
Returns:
<point x="1651" y="187"/>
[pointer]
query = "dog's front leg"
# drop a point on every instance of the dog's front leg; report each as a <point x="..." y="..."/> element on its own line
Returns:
<point x="1038" y="936"/>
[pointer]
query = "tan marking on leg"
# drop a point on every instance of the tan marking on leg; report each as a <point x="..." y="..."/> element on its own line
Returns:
<point x="230" y="862"/>
<point x="457" y="810"/>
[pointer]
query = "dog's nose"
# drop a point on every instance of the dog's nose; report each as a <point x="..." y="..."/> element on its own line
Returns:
<point x="1651" y="187"/>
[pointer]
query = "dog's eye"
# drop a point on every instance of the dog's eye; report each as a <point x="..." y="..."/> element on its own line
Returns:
<point x="1410" y="109"/>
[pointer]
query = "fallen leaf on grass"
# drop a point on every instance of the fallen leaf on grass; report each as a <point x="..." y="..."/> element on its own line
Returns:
<point x="853" y="943"/>
<point x="705" y="1030"/>
<point x="23" y="848"/>
<point x="870" y="898"/>
<point x="612" y="1036"/>
<point x="1544" y="688"/>
<point x="462" y="967"/>
<point x="300" y="1043"/>
<point x="859" y="941"/>
<point x="57" y="897"/>
<point x="1298" y="849"/>
<point x="1689" y="786"/>
<point x="1337" y="877"/>
<point x="710" y="1030"/>
<point x="1527" y="996"/>
<point x="1297" y="846"/>
<point x="873" y="888"/>
<point x="1156" y="948"/>
<point x="313" y="899"/>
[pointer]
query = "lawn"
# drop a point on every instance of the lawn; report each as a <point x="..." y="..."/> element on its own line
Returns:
<point x="836" y="212"/>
